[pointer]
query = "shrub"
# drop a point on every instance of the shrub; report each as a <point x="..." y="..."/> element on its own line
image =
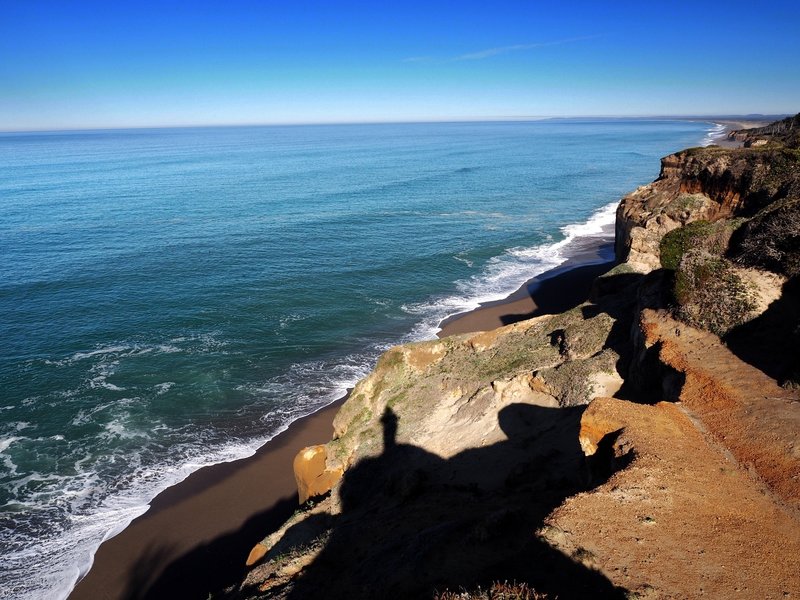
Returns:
<point x="676" y="243"/>
<point x="771" y="239"/>
<point x="710" y="294"/>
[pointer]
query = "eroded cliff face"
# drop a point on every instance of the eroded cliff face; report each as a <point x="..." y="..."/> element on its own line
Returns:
<point x="701" y="184"/>
<point x="446" y="458"/>
<point x="608" y="451"/>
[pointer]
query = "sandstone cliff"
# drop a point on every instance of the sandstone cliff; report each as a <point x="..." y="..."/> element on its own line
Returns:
<point x="619" y="449"/>
<point x="705" y="184"/>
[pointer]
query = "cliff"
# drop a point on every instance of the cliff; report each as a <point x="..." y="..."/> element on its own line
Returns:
<point x="643" y="444"/>
<point x="785" y="132"/>
<point x="702" y="184"/>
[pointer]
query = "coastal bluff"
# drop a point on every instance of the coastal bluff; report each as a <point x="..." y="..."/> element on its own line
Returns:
<point x="644" y="444"/>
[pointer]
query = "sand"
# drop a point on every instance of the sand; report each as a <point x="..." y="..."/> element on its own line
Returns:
<point x="555" y="291"/>
<point x="197" y="534"/>
<point x="195" y="537"/>
<point x="724" y="142"/>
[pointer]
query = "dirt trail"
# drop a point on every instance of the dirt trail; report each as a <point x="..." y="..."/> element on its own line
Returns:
<point x="743" y="409"/>
<point x="708" y="507"/>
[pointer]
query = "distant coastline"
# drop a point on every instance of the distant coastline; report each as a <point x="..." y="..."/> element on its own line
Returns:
<point x="733" y="121"/>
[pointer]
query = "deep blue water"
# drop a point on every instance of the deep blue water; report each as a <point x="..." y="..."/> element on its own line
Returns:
<point x="173" y="298"/>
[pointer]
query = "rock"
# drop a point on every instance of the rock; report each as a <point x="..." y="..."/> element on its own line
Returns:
<point x="312" y="474"/>
<point x="258" y="552"/>
<point x="682" y="520"/>
<point x="701" y="184"/>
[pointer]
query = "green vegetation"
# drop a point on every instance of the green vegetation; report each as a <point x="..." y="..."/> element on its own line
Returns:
<point x="710" y="294"/>
<point x="678" y="241"/>
<point x="697" y="235"/>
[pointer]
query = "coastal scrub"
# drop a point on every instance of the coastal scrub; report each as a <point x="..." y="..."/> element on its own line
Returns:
<point x="710" y="294"/>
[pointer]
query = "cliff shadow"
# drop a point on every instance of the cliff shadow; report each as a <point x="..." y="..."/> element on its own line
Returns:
<point x="412" y="523"/>
<point x="560" y="292"/>
<point x="623" y="297"/>
<point x="771" y="341"/>
<point x="208" y="569"/>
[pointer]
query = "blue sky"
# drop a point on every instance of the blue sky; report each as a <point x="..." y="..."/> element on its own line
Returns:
<point x="70" y="64"/>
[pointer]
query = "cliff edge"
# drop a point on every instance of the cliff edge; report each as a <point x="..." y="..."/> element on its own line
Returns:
<point x="642" y="445"/>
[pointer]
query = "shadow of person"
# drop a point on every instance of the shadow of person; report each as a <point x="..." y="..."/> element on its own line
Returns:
<point x="412" y="523"/>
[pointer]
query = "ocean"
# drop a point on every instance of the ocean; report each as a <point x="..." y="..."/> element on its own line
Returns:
<point x="174" y="298"/>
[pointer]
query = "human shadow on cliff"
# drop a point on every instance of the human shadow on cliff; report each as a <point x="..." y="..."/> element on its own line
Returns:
<point x="412" y="523"/>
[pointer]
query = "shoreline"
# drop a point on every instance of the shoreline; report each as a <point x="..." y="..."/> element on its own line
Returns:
<point x="555" y="290"/>
<point x="196" y="534"/>
<point x="721" y="139"/>
<point x="199" y="532"/>
<point x="215" y="515"/>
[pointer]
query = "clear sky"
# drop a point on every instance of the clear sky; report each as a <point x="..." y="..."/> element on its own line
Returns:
<point x="80" y="64"/>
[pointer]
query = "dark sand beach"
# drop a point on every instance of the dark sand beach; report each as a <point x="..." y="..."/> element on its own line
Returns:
<point x="196" y="535"/>
<point x="554" y="291"/>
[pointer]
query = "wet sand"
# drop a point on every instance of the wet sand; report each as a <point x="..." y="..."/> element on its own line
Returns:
<point x="196" y="536"/>
<point x="555" y="291"/>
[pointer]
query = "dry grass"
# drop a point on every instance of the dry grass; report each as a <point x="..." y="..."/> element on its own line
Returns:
<point x="498" y="591"/>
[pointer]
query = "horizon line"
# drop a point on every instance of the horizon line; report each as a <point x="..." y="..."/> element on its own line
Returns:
<point x="483" y="119"/>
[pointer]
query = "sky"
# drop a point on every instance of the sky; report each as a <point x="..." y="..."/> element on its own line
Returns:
<point x="71" y="64"/>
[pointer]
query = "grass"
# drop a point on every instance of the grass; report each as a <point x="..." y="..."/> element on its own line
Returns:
<point x="498" y="591"/>
<point x="675" y="243"/>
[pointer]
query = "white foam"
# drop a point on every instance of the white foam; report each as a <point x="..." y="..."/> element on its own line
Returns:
<point x="98" y="352"/>
<point x="504" y="274"/>
<point x="163" y="388"/>
<point x="714" y="134"/>
<point x="464" y="260"/>
<point x="100" y="382"/>
<point x="5" y="443"/>
<point x="87" y="521"/>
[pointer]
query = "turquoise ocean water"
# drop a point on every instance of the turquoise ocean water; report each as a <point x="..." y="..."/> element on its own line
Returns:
<point x="174" y="298"/>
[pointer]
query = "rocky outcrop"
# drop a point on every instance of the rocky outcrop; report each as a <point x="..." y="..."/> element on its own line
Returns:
<point x="706" y="184"/>
<point x="502" y="455"/>
<point x="313" y="475"/>
<point x="446" y="394"/>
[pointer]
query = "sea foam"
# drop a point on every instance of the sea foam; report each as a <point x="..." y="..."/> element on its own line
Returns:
<point x="196" y="338"/>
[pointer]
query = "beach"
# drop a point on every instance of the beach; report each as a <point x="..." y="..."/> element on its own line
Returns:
<point x="154" y="369"/>
<point x="196" y="535"/>
<point x="556" y="290"/>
